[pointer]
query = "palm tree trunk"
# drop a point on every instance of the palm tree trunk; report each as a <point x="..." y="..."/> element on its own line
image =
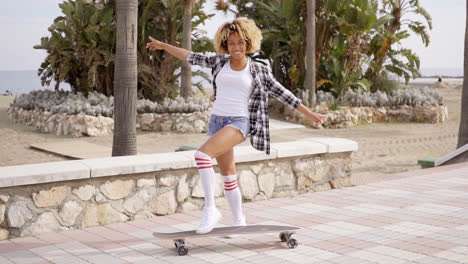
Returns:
<point x="310" y="52"/>
<point x="186" y="76"/>
<point x="463" y="131"/>
<point x="125" y="79"/>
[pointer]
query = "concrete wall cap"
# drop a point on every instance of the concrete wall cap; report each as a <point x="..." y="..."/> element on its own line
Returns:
<point x="298" y="148"/>
<point x="335" y="145"/>
<point x="112" y="166"/>
<point x="43" y="173"/>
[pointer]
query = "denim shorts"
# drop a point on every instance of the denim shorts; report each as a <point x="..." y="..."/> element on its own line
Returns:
<point x="240" y="123"/>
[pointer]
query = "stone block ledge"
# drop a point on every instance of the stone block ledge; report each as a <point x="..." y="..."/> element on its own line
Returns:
<point x="112" y="166"/>
<point x="57" y="196"/>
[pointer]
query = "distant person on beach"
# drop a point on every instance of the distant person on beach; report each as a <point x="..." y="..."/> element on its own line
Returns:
<point x="7" y="93"/>
<point x="241" y="89"/>
<point x="440" y="79"/>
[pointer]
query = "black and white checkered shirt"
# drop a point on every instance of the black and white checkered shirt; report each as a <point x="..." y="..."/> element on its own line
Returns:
<point x="264" y="84"/>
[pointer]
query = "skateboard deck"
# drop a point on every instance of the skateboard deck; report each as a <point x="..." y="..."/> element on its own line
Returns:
<point x="285" y="235"/>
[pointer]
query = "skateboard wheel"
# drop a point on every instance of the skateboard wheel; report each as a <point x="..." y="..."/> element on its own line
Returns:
<point x="182" y="250"/>
<point x="283" y="237"/>
<point x="292" y="243"/>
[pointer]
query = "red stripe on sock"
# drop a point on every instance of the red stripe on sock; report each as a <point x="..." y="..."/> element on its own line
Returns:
<point x="207" y="167"/>
<point x="230" y="189"/>
<point x="202" y="159"/>
<point x="203" y="163"/>
<point x="230" y="182"/>
<point x="230" y="185"/>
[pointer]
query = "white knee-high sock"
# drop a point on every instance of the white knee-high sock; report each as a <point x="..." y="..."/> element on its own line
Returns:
<point x="233" y="195"/>
<point x="207" y="177"/>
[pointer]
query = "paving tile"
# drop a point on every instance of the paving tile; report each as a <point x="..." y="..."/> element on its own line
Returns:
<point x="397" y="253"/>
<point x="296" y="221"/>
<point x="210" y="256"/>
<point x="414" y="247"/>
<point x="373" y="238"/>
<point x="462" y="213"/>
<point x="434" y="208"/>
<point x="308" y="251"/>
<point x="341" y="228"/>
<point x="353" y="243"/>
<point x="461" y="250"/>
<point x="263" y="258"/>
<point x="124" y="227"/>
<point x="318" y="234"/>
<point x="231" y="250"/>
<point x="333" y="247"/>
<point x="453" y="256"/>
<point x="450" y="238"/>
<point x="434" y="260"/>
<point x="28" y="242"/>
<point x="129" y="254"/>
<point x="8" y="246"/>
<point x="412" y="228"/>
<point x="23" y="257"/>
<point x="94" y="240"/>
<point x="4" y="260"/>
<point x="439" y="244"/>
<point x="315" y="219"/>
<point x="58" y="256"/>
<point x="112" y="235"/>
<point x="180" y="218"/>
<point x="333" y="215"/>
<point x="291" y="257"/>
<point x="370" y="208"/>
<point x="375" y="257"/>
<point x="366" y="221"/>
<point x="349" y="260"/>
<point x="54" y="238"/>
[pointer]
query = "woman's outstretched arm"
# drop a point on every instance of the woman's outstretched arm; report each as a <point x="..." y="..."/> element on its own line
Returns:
<point x="179" y="53"/>
<point x="316" y="117"/>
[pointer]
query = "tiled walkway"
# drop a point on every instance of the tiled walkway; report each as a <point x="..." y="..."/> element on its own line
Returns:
<point x="419" y="218"/>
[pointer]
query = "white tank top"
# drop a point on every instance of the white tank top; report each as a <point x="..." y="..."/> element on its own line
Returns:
<point x="233" y="89"/>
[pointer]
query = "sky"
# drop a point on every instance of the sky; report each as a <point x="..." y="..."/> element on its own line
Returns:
<point x="24" y="22"/>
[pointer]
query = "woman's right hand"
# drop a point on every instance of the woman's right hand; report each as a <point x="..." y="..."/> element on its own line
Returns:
<point x="154" y="44"/>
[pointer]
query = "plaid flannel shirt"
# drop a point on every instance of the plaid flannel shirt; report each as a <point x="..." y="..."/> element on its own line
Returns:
<point x="264" y="84"/>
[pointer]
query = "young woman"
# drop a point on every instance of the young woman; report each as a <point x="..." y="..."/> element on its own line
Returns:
<point x="241" y="89"/>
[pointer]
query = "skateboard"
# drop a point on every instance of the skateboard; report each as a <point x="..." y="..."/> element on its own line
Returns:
<point x="286" y="234"/>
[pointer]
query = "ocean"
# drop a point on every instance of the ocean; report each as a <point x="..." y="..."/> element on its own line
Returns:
<point x="18" y="82"/>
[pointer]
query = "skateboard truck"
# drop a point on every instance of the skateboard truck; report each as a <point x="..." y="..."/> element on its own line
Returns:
<point x="287" y="237"/>
<point x="181" y="247"/>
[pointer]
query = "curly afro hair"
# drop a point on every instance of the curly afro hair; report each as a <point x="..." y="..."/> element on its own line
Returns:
<point x="246" y="28"/>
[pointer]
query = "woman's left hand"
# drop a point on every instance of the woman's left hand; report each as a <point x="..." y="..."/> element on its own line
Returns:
<point x="318" y="118"/>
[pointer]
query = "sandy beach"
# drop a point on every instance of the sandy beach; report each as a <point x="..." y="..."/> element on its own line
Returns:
<point x="384" y="148"/>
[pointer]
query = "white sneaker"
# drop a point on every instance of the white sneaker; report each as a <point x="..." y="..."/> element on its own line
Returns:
<point x="237" y="222"/>
<point x="210" y="218"/>
<point x="240" y="222"/>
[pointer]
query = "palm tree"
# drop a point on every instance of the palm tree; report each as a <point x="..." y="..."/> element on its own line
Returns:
<point x="310" y="52"/>
<point x="403" y="13"/>
<point x="186" y="78"/>
<point x="463" y="131"/>
<point x="125" y="79"/>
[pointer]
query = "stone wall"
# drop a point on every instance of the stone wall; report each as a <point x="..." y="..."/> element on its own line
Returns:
<point x="351" y="116"/>
<point x="85" y="125"/>
<point x="34" y="200"/>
